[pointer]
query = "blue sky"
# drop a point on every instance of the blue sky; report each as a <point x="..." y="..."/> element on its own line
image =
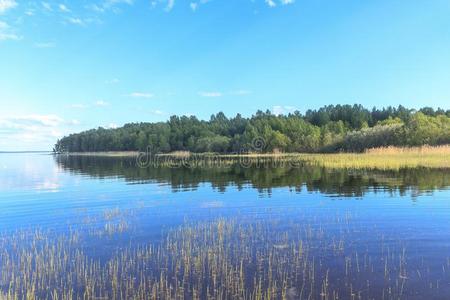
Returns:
<point x="67" y="66"/>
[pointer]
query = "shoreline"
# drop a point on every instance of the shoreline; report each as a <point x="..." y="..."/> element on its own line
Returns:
<point x="389" y="158"/>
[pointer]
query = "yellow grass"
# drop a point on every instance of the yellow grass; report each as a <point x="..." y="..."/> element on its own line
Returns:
<point x="444" y="150"/>
<point x="388" y="158"/>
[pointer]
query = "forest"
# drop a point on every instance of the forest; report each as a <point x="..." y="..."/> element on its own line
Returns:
<point x="332" y="128"/>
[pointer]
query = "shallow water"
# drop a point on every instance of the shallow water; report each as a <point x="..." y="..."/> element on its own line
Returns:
<point x="368" y="234"/>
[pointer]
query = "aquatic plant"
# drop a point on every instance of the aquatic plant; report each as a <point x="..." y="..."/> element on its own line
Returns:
<point x="224" y="258"/>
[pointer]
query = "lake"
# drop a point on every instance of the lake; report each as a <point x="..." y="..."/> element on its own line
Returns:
<point x="74" y="227"/>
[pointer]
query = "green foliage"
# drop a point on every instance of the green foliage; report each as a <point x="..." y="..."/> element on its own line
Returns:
<point x="328" y="129"/>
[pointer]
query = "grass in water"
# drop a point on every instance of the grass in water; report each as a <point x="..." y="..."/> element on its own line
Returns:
<point x="218" y="259"/>
<point x="389" y="158"/>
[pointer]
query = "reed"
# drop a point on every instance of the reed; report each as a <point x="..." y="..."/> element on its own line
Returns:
<point x="388" y="158"/>
<point x="225" y="258"/>
<point x="424" y="150"/>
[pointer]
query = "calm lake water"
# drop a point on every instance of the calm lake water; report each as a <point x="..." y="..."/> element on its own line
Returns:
<point x="98" y="227"/>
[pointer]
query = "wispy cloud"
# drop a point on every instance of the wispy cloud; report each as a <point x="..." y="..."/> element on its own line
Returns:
<point x="34" y="119"/>
<point x="47" y="6"/>
<point x="210" y="94"/>
<point x="78" y="106"/>
<point x="28" y="131"/>
<point x="98" y="103"/>
<point x="141" y="95"/>
<point x="45" y="45"/>
<point x="240" y="92"/>
<point x="7" y="33"/>
<point x="111" y="126"/>
<point x="112" y="81"/>
<point x="76" y="21"/>
<point x="193" y="6"/>
<point x="283" y="110"/>
<point x="101" y="103"/>
<point x="63" y="8"/>
<point x="157" y="112"/>
<point x="74" y="122"/>
<point x="273" y="3"/>
<point x="7" y="5"/>
<point x="170" y="5"/>
<point x="109" y="5"/>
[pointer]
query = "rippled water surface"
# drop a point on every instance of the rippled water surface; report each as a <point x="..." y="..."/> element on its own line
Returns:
<point x="223" y="232"/>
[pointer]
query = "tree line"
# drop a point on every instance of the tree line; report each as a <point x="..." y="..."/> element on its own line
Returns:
<point x="330" y="128"/>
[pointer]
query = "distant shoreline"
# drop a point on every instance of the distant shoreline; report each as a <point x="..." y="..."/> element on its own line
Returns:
<point x="102" y="153"/>
<point x="5" y="152"/>
<point x="388" y="158"/>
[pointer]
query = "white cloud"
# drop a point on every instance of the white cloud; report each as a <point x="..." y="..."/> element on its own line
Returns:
<point x="101" y="103"/>
<point x="9" y="36"/>
<point x="74" y="122"/>
<point x="240" y="92"/>
<point x="193" y="6"/>
<point x="112" y="81"/>
<point x="109" y="5"/>
<point x="34" y="131"/>
<point x="76" y="21"/>
<point x="6" y="33"/>
<point x="167" y="4"/>
<point x="7" y="5"/>
<point x="271" y="3"/>
<point x="170" y="5"/>
<point x="63" y="8"/>
<point x="141" y="95"/>
<point x="111" y="126"/>
<point x="210" y="94"/>
<point x="196" y="4"/>
<point x="78" y="106"/>
<point x="283" y="110"/>
<point x="158" y="112"/>
<point x="44" y="45"/>
<point x="115" y="2"/>
<point x="47" y="6"/>
<point x="42" y="120"/>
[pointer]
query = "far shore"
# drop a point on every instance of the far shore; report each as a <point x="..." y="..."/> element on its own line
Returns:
<point x="102" y="153"/>
<point x="388" y="158"/>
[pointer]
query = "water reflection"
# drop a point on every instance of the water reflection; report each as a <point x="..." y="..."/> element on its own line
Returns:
<point x="343" y="183"/>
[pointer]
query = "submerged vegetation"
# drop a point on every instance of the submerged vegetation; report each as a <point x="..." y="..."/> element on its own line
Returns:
<point x="224" y="258"/>
<point x="328" y="129"/>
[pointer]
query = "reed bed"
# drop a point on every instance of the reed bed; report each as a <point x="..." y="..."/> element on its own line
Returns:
<point x="224" y="258"/>
<point x="388" y="158"/>
<point x="424" y="150"/>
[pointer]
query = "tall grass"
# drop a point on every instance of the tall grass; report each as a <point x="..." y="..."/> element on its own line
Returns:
<point x="423" y="150"/>
<point x="387" y="158"/>
<point x="219" y="259"/>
